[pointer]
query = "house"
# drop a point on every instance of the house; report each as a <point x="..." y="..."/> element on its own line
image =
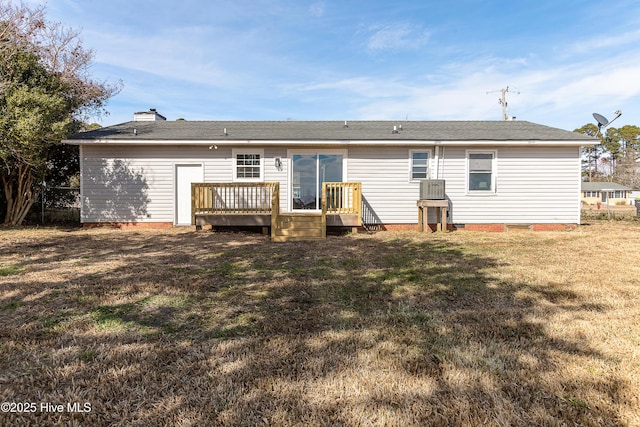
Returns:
<point x="604" y="192"/>
<point x="496" y="173"/>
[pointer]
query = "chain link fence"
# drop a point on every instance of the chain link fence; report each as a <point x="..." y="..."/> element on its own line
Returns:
<point x="57" y="204"/>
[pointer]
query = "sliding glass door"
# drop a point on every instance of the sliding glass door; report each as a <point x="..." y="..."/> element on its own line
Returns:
<point x="308" y="171"/>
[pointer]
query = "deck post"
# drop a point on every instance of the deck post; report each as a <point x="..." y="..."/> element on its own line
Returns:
<point x="193" y="204"/>
<point x="275" y="208"/>
<point x="357" y="201"/>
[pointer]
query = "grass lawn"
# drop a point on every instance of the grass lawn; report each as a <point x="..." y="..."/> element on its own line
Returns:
<point x="397" y="329"/>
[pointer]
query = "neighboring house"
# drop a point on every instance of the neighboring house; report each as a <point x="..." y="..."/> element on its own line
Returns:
<point x="496" y="173"/>
<point x="604" y="192"/>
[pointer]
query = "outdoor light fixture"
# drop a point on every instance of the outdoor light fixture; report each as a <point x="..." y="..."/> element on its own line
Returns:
<point x="213" y="147"/>
<point x="278" y="163"/>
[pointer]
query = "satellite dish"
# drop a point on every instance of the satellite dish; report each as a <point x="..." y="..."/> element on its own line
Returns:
<point x="602" y="120"/>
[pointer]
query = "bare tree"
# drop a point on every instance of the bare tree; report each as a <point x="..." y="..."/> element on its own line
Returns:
<point x="47" y="92"/>
<point x="19" y="29"/>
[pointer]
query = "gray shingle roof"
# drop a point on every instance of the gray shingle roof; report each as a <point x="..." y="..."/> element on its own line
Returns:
<point x="602" y="186"/>
<point x="183" y="130"/>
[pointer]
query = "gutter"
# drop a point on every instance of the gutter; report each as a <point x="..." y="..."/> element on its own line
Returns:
<point x="332" y="143"/>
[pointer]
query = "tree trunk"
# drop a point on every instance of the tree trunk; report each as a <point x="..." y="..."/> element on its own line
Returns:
<point x="19" y="202"/>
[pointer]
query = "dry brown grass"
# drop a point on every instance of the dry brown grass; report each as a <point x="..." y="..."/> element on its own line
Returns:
<point x="183" y="328"/>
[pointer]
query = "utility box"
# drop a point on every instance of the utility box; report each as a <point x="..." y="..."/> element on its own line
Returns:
<point x="432" y="189"/>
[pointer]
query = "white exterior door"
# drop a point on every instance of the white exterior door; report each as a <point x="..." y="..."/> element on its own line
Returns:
<point x="185" y="175"/>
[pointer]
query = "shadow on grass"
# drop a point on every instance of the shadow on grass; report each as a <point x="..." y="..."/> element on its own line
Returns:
<point x="220" y="329"/>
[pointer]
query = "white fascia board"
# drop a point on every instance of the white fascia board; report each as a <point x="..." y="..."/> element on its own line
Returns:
<point x="333" y="143"/>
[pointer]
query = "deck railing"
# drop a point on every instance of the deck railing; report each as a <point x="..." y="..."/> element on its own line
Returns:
<point x="263" y="198"/>
<point x="257" y="198"/>
<point x="342" y="198"/>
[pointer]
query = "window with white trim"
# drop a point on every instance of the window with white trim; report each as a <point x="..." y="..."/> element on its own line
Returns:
<point x="481" y="171"/>
<point x="248" y="165"/>
<point x="419" y="164"/>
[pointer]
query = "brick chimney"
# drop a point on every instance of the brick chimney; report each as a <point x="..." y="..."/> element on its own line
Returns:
<point x="148" y="116"/>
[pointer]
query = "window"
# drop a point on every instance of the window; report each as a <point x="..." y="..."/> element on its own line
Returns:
<point x="481" y="171"/>
<point x="591" y="194"/>
<point x="309" y="170"/>
<point x="247" y="165"/>
<point x="419" y="165"/>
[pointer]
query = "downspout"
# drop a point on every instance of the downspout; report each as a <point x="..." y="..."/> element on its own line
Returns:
<point x="437" y="161"/>
<point x="81" y="161"/>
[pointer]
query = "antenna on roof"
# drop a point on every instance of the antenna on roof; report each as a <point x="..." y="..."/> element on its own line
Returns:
<point x="602" y="120"/>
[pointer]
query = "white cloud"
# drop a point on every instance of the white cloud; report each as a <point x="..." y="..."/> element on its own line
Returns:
<point x="562" y="95"/>
<point x="397" y="36"/>
<point x="253" y="61"/>
<point x="599" y="46"/>
<point x="317" y="9"/>
<point x="187" y="54"/>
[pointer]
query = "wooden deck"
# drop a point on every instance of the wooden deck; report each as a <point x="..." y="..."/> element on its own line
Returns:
<point x="258" y="204"/>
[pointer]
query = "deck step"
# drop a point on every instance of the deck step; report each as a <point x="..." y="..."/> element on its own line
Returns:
<point x="301" y="232"/>
<point x="300" y="226"/>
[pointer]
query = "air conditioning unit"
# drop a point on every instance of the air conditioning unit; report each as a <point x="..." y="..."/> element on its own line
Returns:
<point x="432" y="189"/>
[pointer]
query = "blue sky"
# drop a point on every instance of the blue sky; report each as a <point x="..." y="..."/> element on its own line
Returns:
<point x="359" y="60"/>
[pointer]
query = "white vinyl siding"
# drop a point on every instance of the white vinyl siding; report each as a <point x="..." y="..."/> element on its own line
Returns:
<point x="273" y="173"/>
<point x="534" y="185"/>
<point x="538" y="184"/>
<point x="136" y="183"/>
<point x="386" y="191"/>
